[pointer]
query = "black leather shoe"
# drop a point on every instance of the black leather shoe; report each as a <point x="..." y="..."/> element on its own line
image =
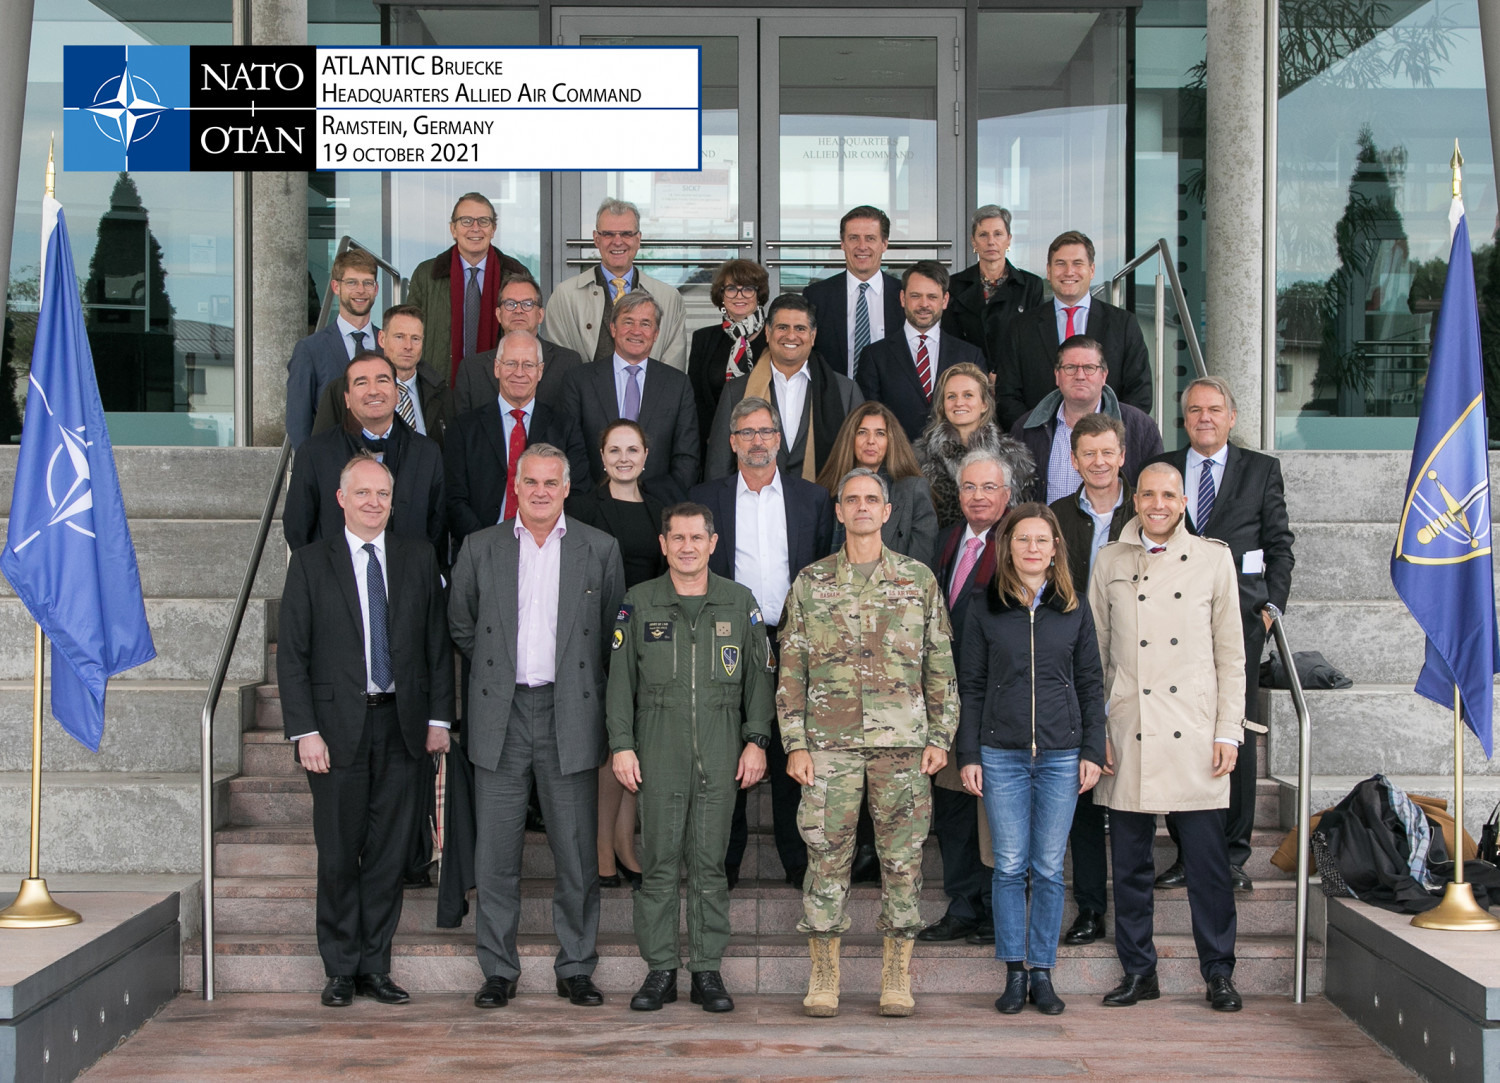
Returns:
<point x="633" y="877"/>
<point x="496" y="992"/>
<point x="534" y="820"/>
<point x="1013" y="999"/>
<point x="983" y="933"/>
<point x="660" y="987"/>
<point x="1239" y="879"/>
<point x="708" y="990"/>
<point x="1043" y="995"/>
<point x="1175" y="876"/>
<point x="866" y="866"/>
<point x="731" y="875"/>
<point x="946" y="928"/>
<point x="1086" y="928"/>
<point x="338" y="993"/>
<point x="1132" y="988"/>
<point x="796" y="875"/>
<point x="380" y="987"/>
<point x="420" y="878"/>
<point x="1222" y="996"/>
<point x="612" y="880"/>
<point x="581" y="990"/>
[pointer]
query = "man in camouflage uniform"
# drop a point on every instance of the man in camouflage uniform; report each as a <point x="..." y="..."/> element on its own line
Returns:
<point x="867" y="696"/>
<point x="690" y="714"/>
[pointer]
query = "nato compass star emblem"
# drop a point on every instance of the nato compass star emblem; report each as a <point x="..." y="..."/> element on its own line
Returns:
<point x="68" y="484"/>
<point x="126" y="108"/>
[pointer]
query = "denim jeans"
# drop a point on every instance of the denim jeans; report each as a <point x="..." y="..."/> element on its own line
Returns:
<point x="1029" y="802"/>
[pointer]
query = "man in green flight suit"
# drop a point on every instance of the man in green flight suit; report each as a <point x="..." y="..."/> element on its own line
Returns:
<point x="690" y="712"/>
<point x="867" y="697"/>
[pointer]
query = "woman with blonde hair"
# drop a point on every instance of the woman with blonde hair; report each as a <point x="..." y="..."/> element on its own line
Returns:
<point x="963" y="420"/>
<point x="872" y="437"/>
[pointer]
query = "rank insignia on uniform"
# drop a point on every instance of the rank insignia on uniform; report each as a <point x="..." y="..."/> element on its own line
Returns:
<point x="623" y="616"/>
<point x="730" y="656"/>
<point x="723" y="628"/>
<point x="618" y="641"/>
<point x="658" y="631"/>
<point x="755" y="617"/>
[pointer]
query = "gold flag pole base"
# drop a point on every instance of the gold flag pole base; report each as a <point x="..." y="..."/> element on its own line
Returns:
<point x="35" y="908"/>
<point x="1458" y="912"/>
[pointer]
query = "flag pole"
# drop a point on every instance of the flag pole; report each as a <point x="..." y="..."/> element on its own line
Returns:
<point x="34" y="907"/>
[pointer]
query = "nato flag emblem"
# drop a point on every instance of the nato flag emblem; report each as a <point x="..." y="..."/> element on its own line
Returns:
<point x="730" y="657"/>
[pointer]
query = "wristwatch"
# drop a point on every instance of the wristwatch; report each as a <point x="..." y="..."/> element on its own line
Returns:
<point x="759" y="740"/>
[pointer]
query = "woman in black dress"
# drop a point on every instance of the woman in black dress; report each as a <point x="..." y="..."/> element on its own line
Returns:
<point x="722" y="351"/>
<point x="632" y="517"/>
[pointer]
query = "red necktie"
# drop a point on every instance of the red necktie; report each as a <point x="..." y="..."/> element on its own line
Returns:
<point x="1070" y="332"/>
<point x="513" y="456"/>
<point x="924" y="367"/>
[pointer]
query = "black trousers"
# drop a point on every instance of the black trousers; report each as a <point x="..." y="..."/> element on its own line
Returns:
<point x="363" y="815"/>
<point x="786" y="795"/>
<point x="1210" y="896"/>
<point x="967" y="881"/>
<point x="1090" y="861"/>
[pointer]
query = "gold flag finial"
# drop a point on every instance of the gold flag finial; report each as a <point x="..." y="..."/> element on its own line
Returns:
<point x="1456" y="163"/>
<point x="51" y="169"/>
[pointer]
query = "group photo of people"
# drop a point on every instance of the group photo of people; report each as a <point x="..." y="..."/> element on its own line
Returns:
<point x="911" y="551"/>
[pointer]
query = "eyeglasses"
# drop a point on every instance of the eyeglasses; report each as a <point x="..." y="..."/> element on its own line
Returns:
<point x="357" y="283"/>
<point x="740" y="291"/>
<point x="1026" y="541"/>
<point x="989" y="488"/>
<point x="469" y="222"/>
<point x="1085" y="370"/>
<point x="617" y="234"/>
<point x="750" y="434"/>
<point x="524" y="306"/>
<point x="524" y="366"/>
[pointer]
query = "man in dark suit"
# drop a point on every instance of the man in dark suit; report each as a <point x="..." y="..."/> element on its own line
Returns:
<point x="520" y="309"/>
<point x="423" y="399"/>
<point x="1026" y="377"/>
<point x="771" y="525"/>
<point x="312" y="510"/>
<point x="485" y="446"/>
<point x="861" y="304"/>
<point x="966" y="565"/>
<point x="1238" y="497"/>
<point x="532" y="604"/>
<point x="901" y="369"/>
<point x="811" y="398"/>
<point x="319" y="359"/>
<point x="366" y="675"/>
<point x="636" y="386"/>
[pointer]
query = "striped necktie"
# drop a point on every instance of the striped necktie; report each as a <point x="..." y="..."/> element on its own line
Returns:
<point x="1205" y="494"/>
<point x="924" y="367"/>
<point x="404" y="406"/>
<point x="861" y="325"/>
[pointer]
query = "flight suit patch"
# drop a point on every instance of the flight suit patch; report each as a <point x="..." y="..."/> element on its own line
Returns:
<point x="623" y="616"/>
<point x="618" y="641"/>
<point x="755" y="617"/>
<point x="730" y="658"/>
<point x="723" y="628"/>
<point x="658" y="631"/>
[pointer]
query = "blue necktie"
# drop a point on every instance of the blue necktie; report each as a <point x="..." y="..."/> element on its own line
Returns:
<point x="1205" y="493"/>
<point x="861" y="326"/>
<point x="380" y="639"/>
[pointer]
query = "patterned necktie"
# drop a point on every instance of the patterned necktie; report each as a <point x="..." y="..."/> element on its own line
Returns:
<point x="619" y="288"/>
<point x="861" y="326"/>
<point x="513" y="456"/>
<point x="965" y="565"/>
<point x="359" y="341"/>
<point x="924" y="367"/>
<point x="404" y="405"/>
<point x="471" y="313"/>
<point x="1070" y="332"/>
<point x="380" y="639"/>
<point x="1158" y="548"/>
<point x="632" y="409"/>
<point x="1205" y="494"/>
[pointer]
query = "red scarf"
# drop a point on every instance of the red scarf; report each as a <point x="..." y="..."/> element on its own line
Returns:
<point x="489" y="327"/>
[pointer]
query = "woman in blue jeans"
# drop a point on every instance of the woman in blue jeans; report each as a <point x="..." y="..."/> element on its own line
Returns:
<point x="1030" y="739"/>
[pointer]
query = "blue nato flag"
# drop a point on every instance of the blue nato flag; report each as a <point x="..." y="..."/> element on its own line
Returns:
<point x="1441" y="563"/>
<point x="68" y="553"/>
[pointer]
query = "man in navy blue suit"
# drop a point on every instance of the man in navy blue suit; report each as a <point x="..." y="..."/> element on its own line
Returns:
<point x="860" y="304"/>
<point x="771" y="525"/>
<point x="321" y="357"/>
<point x="901" y="369"/>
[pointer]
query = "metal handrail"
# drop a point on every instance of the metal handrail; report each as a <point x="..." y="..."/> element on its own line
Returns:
<point x="1304" y="805"/>
<point x="655" y="243"/>
<point x="1179" y="299"/>
<point x="231" y="637"/>
<point x="836" y="244"/>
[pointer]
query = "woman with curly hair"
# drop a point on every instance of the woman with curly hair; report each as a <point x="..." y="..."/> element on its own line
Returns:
<point x="963" y="420"/>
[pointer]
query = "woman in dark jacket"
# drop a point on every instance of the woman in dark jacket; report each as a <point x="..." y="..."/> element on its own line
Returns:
<point x="871" y="436"/>
<point x="1030" y="738"/>
<point x="985" y="298"/>
<point x="721" y="351"/>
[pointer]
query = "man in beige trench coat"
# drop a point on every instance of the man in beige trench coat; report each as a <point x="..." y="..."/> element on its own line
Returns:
<point x="1166" y="606"/>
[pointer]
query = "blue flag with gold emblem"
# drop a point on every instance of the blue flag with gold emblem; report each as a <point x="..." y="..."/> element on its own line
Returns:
<point x="1441" y="564"/>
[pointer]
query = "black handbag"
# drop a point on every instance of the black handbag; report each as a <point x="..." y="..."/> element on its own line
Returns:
<point x="1489" y="835"/>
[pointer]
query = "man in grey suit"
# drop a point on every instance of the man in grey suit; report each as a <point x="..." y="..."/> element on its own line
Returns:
<point x="320" y="358"/>
<point x="532" y="603"/>
<point x="519" y="309"/>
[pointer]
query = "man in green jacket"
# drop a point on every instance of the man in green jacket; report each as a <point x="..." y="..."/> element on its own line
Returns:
<point x="690" y="713"/>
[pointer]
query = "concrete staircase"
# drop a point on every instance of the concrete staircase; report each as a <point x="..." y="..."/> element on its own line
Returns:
<point x="134" y="807"/>
<point x="1345" y="507"/>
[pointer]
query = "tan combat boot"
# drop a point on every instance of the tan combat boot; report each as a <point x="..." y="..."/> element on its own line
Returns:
<point x="895" y="978"/>
<point x="822" y="1000"/>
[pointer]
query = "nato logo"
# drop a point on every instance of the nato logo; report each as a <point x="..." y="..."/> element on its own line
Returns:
<point x="125" y="108"/>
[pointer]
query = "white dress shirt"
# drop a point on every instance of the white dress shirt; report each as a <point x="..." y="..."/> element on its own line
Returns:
<point x="761" y="559"/>
<point x="791" y="397"/>
<point x="1195" y="469"/>
<point x="1080" y="318"/>
<point x="348" y="330"/>
<point x="933" y="333"/>
<point x="874" y="302"/>
<point x="538" y="579"/>
<point x="622" y="379"/>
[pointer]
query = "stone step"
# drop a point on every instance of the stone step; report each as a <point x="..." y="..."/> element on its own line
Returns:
<point x="286" y="904"/>
<point x="148" y="726"/>
<point x="1371" y="642"/>
<point x="1350" y="486"/>
<point x="433" y="963"/>
<point x="180" y="482"/>
<point x="1345" y="561"/>
<point x="268" y="754"/>
<point x="201" y="558"/>
<point x="1481" y="793"/>
<point x="107" y="822"/>
<point x="187" y="633"/>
